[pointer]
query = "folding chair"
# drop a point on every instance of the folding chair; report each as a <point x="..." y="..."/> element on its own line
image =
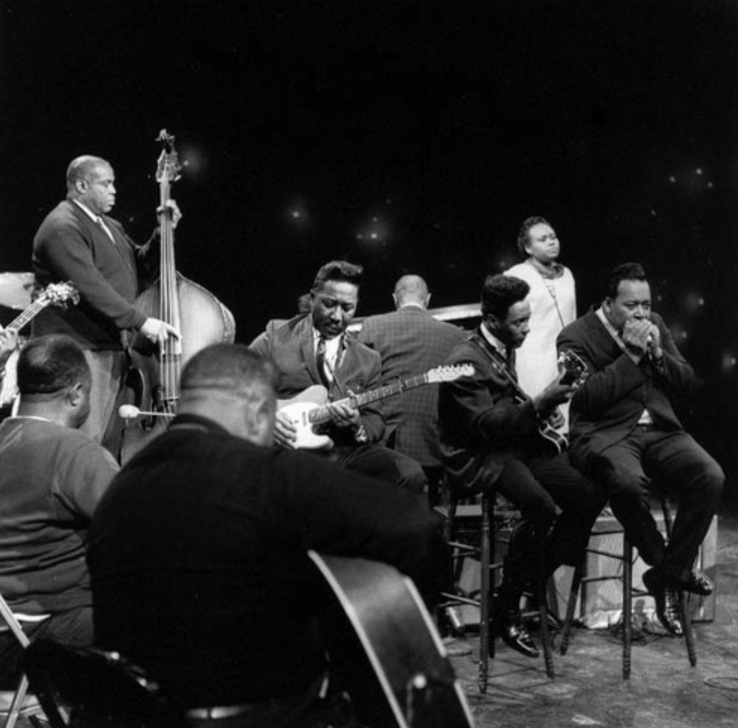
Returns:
<point x="17" y="707"/>
<point x="94" y="688"/>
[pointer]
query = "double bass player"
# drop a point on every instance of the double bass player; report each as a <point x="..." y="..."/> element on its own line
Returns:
<point x="79" y="242"/>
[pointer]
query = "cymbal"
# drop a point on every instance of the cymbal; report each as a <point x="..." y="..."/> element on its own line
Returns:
<point x="16" y="289"/>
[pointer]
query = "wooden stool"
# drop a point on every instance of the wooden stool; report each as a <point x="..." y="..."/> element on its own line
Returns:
<point x="629" y="592"/>
<point x="488" y="565"/>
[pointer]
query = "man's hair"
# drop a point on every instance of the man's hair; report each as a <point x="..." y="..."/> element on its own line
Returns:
<point x="230" y="368"/>
<point x="50" y="364"/>
<point x="81" y="168"/>
<point x="623" y="272"/>
<point x="500" y="292"/>
<point x="524" y="233"/>
<point x="338" y="270"/>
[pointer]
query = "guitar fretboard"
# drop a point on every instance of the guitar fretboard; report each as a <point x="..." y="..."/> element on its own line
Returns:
<point x="35" y="308"/>
<point x="321" y="414"/>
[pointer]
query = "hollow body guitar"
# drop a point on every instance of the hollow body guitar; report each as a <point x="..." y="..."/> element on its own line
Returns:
<point x="573" y="370"/>
<point x="384" y="647"/>
<point x="310" y="409"/>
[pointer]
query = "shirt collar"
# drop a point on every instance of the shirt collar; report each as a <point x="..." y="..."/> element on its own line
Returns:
<point x="494" y="341"/>
<point x="86" y="210"/>
<point x="610" y="328"/>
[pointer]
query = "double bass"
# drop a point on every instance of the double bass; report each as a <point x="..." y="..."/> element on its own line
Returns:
<point x="152" y="383"/>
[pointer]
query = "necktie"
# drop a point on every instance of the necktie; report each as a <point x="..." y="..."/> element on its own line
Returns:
<point x="320" y="362"/>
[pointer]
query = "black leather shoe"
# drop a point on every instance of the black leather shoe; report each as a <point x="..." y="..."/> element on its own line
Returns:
<point x="667" y="603"/>
<point x="698" y="583"/>
<point x="514" y="635"/>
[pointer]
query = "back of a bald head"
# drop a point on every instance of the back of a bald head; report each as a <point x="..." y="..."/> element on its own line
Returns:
<point x="228" y="369"/>
<point x="411" y="289"/>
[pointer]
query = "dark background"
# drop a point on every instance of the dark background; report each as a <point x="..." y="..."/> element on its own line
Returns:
<point x="408" y="136"/>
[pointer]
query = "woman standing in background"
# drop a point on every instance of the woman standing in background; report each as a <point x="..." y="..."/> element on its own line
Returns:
<point x="552" y="301"/>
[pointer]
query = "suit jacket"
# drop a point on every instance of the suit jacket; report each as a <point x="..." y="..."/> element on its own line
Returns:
<point x="481" y="417"/>
<point x="607" y="407"/>
<point x="410" y="342"/>
<point x="290" y="346"/>
<point x="70" y="247"/>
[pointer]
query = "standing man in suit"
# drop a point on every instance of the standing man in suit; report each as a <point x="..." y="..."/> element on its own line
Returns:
<point x="625" y="433"/>
<point x="490" y="439"/>
<point x="316" y="348"/>
<point x="78" y="242"/>
<point x="410" y="342"/>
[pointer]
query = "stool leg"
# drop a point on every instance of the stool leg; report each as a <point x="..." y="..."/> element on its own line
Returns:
<point x="571" y="605"/>
<point x="627" y="605"/>
<point x="688" y="630"/>
<point x="486" y="595"/>
<point x="543" y="616"/>
<point x="683" y="608"/>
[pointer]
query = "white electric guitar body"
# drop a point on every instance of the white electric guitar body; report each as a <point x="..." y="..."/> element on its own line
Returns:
<point x="310" y="409"/>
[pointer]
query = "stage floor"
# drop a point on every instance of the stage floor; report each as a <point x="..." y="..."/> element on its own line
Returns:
<point x="663" y="691"/>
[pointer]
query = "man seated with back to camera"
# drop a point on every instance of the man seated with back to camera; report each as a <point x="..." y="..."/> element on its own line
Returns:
<point x="198" y="554"/>
<point x="52" y="476"/>
<point x="627" y="435"/>
<point x="298" y="346"/>
<point x="490" y="440"/>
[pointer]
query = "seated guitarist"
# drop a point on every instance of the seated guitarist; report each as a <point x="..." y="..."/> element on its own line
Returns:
<point x="490" y="438"/>
<point x="314" y="348"/>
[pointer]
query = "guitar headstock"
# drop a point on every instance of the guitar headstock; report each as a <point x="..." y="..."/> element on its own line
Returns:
<point x="572" y="367"/>
<point x="168" y="166"/>
<point x="59" y="294"/>
<point x="450" y="373"/>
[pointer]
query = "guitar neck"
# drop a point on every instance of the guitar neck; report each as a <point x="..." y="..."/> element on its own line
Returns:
<point x="31" y="312"/>
<point x="321" y="414"/>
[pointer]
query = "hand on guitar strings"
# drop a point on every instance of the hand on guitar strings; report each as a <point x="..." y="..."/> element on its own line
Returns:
<point x="555" y="394"/>
<point x="157" y="331"/>
<point x="343" y="414"/>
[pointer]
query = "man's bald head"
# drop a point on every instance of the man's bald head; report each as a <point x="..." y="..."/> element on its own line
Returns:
<point x="411" y="290"/>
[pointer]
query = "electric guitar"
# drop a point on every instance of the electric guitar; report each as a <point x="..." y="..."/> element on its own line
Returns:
<point x="311" y="408"/>
<point x="55" y="294"/>
<point x="573" y="371"/>
<point x="382" y="644"/>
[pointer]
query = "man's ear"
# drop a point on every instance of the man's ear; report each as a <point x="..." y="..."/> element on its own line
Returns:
<point x="492" y="322"/>
<point x="260" y="422"/>
<point x="74" y="394"/>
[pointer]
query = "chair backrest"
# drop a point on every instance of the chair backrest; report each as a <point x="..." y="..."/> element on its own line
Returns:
<point x="96" y="688"/>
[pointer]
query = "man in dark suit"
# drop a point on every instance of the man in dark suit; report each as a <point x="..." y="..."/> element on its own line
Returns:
<point x="411" y="341"/>
<point x="78" y="242"/>
<point x="315" y="348"/>
<point x="490" y="439"/>
<point x="626" y="433"/>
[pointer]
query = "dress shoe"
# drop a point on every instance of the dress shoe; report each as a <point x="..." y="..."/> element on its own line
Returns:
<point x="667" y="603"/>
<point x="698" y="583"/>
<point x="514" y="635"/>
